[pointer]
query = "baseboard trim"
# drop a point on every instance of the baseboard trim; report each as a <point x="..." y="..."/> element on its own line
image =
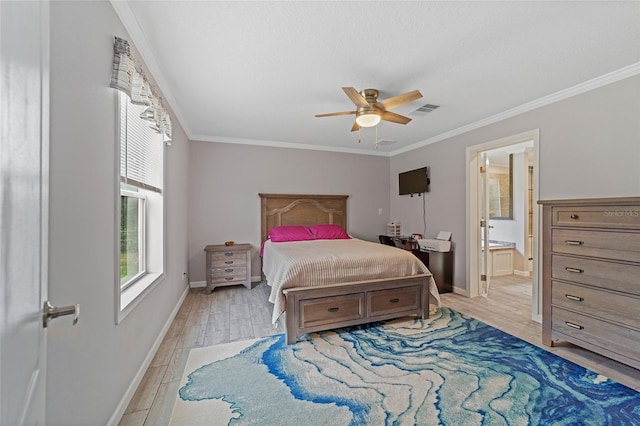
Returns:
<point x="203" y="284"/>
<point x="463" y="291"/>
<point x="521" y="273"/>
<point x="128" y="395"/>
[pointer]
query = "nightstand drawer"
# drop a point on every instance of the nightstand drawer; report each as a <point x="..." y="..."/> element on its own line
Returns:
<point x="327" y="310"/>
<point x="614" y="307"/>
<point x="393" y="300"/>
<point x="229" y="258"/>
<point x="603" y="244"/>
<point x="607" y="275"/>
<point x="623" y="217"/>
<point x="236" y="272"/>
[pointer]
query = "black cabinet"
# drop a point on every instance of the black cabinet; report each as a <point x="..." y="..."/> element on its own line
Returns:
<point x="441" y="266"/>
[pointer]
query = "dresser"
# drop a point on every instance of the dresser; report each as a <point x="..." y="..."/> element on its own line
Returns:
<point x="228" y="265"/>
<point x="591" y="275"/>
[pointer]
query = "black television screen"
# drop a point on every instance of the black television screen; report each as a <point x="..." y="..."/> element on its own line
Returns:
<point x="414" y="181"/>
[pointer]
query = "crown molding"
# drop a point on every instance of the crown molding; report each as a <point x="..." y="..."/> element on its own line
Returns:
<point x="276" y="144"/>
<point x="130" y="23"/>
<point x="603" y="80"/>
<point x="126" y="15"/>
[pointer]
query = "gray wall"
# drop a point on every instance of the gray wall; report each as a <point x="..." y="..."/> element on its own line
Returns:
<point x="589" y="147"/>
<point x="91" y="365"/>
<point x="225" y="180"/>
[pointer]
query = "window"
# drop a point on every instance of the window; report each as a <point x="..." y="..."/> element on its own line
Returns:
<point x="132" y="246"/>
<point x="141" y="205"/>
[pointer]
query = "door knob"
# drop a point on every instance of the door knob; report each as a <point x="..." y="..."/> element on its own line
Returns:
<point x="50" y="312"/>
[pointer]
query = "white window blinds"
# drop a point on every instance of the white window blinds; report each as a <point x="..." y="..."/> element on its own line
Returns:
<point x="141" y="148"/>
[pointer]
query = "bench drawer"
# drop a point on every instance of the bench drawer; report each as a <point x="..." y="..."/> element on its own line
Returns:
<point x="389" y="301"/>
<point x="327" y="310"/>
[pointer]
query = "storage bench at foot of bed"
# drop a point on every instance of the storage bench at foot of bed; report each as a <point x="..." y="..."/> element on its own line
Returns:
<point x="310" y="309"/>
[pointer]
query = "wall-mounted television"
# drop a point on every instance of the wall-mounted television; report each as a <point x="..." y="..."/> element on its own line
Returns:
<point x="414" y="181"/>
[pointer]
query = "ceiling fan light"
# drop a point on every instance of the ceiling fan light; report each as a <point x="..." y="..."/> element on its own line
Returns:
<point x="368" y="120"/>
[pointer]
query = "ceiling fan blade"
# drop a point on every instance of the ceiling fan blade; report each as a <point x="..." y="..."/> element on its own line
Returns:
<point x="355" y="97"/>
<point x="395" y="101"/>
<point x="355" y="127"/>
<point x="331" y="114"/>
<point x="394" y="118"/>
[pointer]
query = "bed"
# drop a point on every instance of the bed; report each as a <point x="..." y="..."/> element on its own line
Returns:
<point x="325" y="284"/>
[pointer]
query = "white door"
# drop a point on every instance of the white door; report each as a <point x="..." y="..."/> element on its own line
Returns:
<point x="483" y="205"/>
<point x="24" y="161"/>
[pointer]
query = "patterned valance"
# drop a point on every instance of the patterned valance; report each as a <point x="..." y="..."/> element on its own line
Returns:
<point x="128" y="77"/>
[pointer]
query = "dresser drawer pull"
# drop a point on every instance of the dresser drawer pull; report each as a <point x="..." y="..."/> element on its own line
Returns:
<point x="396" y="300"/>
<point x="229" y="262"/>
<point x="574" y="298"/>
<point x="574" y="243"/>
<point x="574" y="216"/>
<point x="228" y="278"/>
<point x="576" y="270"/>
<point x="576" y="326"/>
<point x="228" y="254"/>
<point x="229" y="270"/>
<point x="333" y="309"/>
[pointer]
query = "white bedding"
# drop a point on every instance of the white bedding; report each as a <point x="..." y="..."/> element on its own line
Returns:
<point x="320" y="262"/>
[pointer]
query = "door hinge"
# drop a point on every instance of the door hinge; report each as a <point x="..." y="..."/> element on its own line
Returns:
<point x="483" y="169"/>
<point x="483" y="277"/>
<point x="483" y="223"/>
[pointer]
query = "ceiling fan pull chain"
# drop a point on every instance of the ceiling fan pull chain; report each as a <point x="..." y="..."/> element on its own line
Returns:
<point x="376" y="137"/>
<point x="358" y="135"/>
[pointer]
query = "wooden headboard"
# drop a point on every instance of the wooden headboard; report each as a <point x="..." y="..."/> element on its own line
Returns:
<point x="301" y="209"/>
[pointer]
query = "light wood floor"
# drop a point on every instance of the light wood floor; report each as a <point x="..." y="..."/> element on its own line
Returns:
<point x="236" y="313"/>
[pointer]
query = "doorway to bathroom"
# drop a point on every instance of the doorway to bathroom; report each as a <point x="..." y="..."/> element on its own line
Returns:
<point x="502" y="229"/>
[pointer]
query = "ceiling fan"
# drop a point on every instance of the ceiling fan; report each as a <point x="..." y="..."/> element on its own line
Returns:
<point x="370" y="110"/>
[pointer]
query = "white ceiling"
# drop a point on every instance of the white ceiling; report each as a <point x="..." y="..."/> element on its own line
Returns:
<point x="258" y="72"/>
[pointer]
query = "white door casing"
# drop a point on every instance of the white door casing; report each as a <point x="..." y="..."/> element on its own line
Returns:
<point x="24" y="166"/>
<point x="473" y="215"/>
<point x="483" y="209"/>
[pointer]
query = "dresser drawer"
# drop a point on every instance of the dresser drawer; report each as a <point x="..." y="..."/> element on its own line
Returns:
<point x="623" y="217"/>
<point x="607" y="275"/>
<point x="591" y="301"/>
<point x="326" y="310"/>
<point x="229" y="258"/>
<point x="383" y="302"/>
<point x="611" y="337"/>
<point x="607" y="245"/>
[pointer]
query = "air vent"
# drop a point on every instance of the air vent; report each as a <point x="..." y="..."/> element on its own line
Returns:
<point x="383" y="142"/>
<point x="425" y="109"/>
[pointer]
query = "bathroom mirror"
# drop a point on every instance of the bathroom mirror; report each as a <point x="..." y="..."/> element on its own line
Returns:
<point x="500" y="180"/>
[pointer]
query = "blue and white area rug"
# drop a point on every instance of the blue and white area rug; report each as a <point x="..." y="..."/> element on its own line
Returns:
<point x="448" y="370"/>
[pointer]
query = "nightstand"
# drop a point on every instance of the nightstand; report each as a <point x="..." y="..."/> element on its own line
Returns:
<point x="441" y="266"/>
<point x="228" y="265"/>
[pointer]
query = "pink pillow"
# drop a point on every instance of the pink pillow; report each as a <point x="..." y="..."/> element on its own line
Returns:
<point x="281" y="234"/>
<point x="329" y="232"/>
